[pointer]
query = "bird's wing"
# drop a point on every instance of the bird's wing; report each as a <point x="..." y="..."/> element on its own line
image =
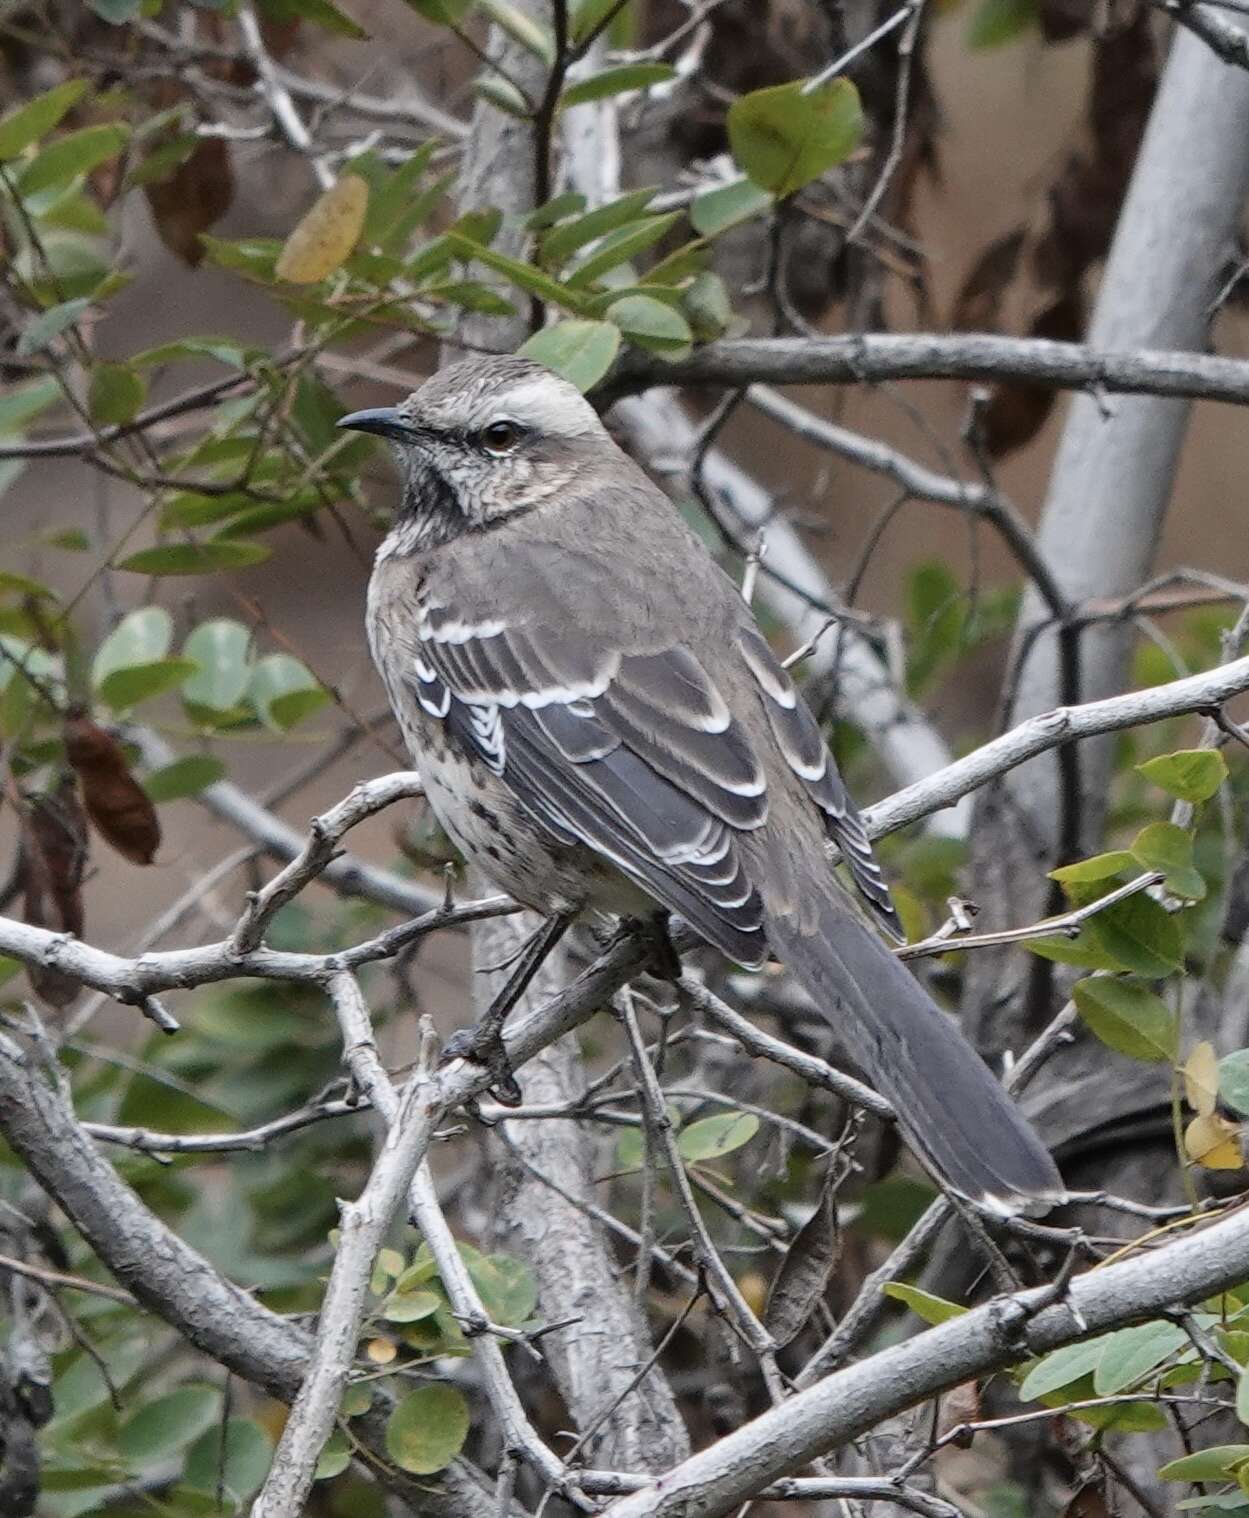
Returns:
<point x="802" y="744"/>
<point x="633" y="753"/>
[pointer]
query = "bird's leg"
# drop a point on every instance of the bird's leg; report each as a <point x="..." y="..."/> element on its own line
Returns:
<point x="483" y="1042"/>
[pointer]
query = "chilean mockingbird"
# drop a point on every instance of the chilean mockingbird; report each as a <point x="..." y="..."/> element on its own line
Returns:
<point x="600" y="725"/>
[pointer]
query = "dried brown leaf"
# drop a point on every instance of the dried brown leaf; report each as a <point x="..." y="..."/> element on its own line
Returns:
<point x="1214" y="1142"/>
<point x="327" y="234"/>
<point x="197" y="194"/>
<point x="116" y="803"/>
<point x="803" y="1274"/>
<point x="1201" y="1079"/>
<point x="53" y="860"/>
<point x="978" y="305"/>
<point x="1016" y="412"/>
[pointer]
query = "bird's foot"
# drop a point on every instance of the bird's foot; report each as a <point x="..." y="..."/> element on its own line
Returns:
<point x="483" y="1045"/>
<point x="665" y="962"/>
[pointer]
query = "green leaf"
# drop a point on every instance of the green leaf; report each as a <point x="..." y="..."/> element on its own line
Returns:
<point x="712" y="1137"/>
<point x="427" y="1429"/>
<point x="586" y="16"/>
<point x="1141" y="935"/>
<point x="28" y="123"/>
<point x="1128" y="1017"/>
<point x="707" y="305"/>
<point x="1234" y="1080"/>
<point x="284" y="691"/>
<point x="570" y="203"/>
<point x="651" y="324"/>
<point x="784" y="138"/>
<point x="247" y="1452"/>
<point x="116" y="12"/>
<point x="715" y="211"/>
<point x="1166" y="847"/>
<point x="21" y="404"/>
<point x="581" y="351"/>
<point x="1242" y="1397"/>
<point x="441" y="12"/>
<point x="321" y="11"/>
<point x="125" y="688"/>
<point x="169" y="1424"/>
<point x="567" y="238"/>
<point x="513" y="1295"/>
<point x="1131" y="1353"/>
<point x="411" y="1306"/>
<point x="924" y="1304"/>
<point x="999" y="21"/>
<point x="224" y="349"/>
<point x="183" y="778"/>
<point x="335" y="1457"/>
<point x="522" y="28"/>
<point x="1191" y="774"/>
<point x="194" y="558"/>
<point x="616" y="81"/>
<point x="71" y="156"/>
<point x="620" y="247"/>
<point x="12" y="583"/>
<point x="40" y="332"/>
<point x="522" y="274"/>
<point x="1213" y="1464"/>
<point x="1099" y="867"/>
<point x="503" y="95"/>
<point x="222" y="649"/>
<point x="141" y="637"/>
<point x="1061" y="1367"/>
<point x="115" y="394"/>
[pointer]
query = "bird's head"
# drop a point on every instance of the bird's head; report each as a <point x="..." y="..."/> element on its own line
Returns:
<point x="481" y="441"/>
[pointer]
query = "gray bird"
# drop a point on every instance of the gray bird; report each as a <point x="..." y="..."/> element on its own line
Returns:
<point x="600" y="725"/>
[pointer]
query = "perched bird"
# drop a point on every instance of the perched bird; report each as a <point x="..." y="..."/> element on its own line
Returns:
<point x="600" y="725"/>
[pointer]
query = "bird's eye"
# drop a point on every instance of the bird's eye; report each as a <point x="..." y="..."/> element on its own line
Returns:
<point x="501" y="437"/>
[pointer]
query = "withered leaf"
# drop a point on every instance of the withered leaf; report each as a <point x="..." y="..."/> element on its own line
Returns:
<point x="803" y="1274"/>
<point x="978" y="305"/>
<point x="197" y="194"/>
<point x="327" y="234"/>
<point x="1016" y="412"/>
<point x="53" y="843"/>
<point x="116" y="803"/>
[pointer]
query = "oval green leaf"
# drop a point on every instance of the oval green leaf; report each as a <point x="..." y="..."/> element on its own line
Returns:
<point x="239" y="1462"/>
<point x="581" y="351"/>
<point x="715" y="211"/>
<point x="427" y="1429"/>
<point x="924" y="1304"/>
<point x="1128" y="1017"/>
<point x="125" y="688"/>
<point x="169" y="1424"/>
<point x="712" y="1137"/>
<point x="115" y="394"/>
<point x="68" y="157"/>
<point x="1192" y="774"/>
<point x="141" y="637"/>
<point x="195" y="558"/>
<point x="184" y="777"/>
<point x="284" y="691"/>
<point x="222" y="650"/>
<point x="784" y="138"/>
<point x="616" y="81"/>
<point x="28" y="123"/>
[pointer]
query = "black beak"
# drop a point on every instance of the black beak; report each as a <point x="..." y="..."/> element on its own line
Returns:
<point x="385" y="421"/>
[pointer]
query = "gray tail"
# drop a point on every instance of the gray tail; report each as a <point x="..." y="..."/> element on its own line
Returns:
<point x="951" y="1110"/>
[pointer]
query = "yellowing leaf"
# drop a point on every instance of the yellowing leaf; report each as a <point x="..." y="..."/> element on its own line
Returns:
<point x="1213" y="1142"/>
<point x="1201" y="1079"/>
<point x="326" y="235"/>
<point x="381" y="1351"/>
